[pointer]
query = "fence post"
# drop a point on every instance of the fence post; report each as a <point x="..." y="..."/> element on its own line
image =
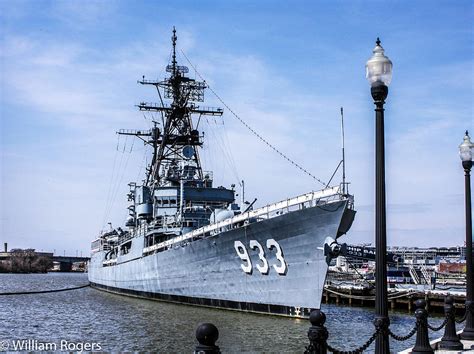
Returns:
<point x="450" y="339"/>
<point x="207" y="335"/>
<point x="422" y="344"/>
<point x="317" y="333"/>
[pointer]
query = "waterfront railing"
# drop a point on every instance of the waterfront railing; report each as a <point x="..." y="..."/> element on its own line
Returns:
<point x="207" y="334"/>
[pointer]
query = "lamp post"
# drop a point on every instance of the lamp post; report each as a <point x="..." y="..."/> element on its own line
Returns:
<point x="379" y="75"/>
<point x="465" y="152"/>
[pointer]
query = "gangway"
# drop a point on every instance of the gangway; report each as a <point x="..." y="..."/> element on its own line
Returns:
<point x="414" y="275"/>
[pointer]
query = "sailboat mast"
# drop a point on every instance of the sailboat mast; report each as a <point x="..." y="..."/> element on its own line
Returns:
<point x="343" y="154"/>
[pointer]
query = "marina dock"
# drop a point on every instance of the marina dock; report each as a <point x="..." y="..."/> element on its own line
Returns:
<point x="399" y="298"/>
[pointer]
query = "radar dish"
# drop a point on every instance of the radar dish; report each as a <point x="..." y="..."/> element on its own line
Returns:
<point x="188" y="151"/>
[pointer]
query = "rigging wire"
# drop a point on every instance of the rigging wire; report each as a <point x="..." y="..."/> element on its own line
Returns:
<point x="360" y="275"/>
<point x="112" y="189"/>
<point x="141" y="165"/>
<point x="207" y="155"/>
<point x="223" y="145"/>
<point x="162" y="104"/>
<point x="110" y="182"/>
<point x="301" y="168"/>
<point x="121" y="177"/>
<point x="226" y="144"/>
<point x="213" y="156"/>
<point x="147" y="120"/>
<point x="122" y="168"/>
<point x="114" y="180"/>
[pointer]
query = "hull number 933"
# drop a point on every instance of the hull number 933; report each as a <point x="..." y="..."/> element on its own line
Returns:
<point x="262" y="266"/>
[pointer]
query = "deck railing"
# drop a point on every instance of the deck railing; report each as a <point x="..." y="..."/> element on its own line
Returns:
<point x="269" y="211"/>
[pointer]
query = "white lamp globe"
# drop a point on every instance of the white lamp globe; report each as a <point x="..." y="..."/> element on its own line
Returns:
<point x="465" y="149"/>
<point x="378" y="68"/>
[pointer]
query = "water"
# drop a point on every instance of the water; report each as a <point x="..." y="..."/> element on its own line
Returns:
<point x="120" y="323"/>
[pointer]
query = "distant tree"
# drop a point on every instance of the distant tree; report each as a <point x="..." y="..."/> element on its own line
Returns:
<point x="18" y="261"/>
<point x="42" y="264"/>
<point x="28" y="261"/>
<point x="5" y="266"/>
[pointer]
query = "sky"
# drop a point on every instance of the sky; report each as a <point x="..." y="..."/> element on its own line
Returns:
<point x="69" y="72"/>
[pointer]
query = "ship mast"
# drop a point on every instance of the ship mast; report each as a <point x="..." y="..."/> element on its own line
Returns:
<point x="179" y="140"/>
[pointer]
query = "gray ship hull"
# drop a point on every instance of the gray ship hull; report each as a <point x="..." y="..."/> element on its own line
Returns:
<point x="285" y="276"/>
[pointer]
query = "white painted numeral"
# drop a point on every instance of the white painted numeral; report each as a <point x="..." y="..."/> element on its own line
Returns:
<point x="282" y="268"/>
<point x="264" y="267"/>
<point x="261" y="254"/>
<point x="244" y="255"/>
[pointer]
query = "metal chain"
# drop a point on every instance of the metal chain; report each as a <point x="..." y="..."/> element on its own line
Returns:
<point x="252" y="130"/>
<point x="439" y="327"/>
<point x="358" y="350"/>
<point x="403" y="338"/>
<point x="463" y="318"/>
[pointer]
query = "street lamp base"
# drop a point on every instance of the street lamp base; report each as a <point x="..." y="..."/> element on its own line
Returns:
<point x="451" y="345"/>
<point x="467" y="334"/>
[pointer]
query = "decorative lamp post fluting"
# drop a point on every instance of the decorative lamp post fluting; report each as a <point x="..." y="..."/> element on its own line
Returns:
<point x="465" y="152"/>
<point x="379" y="75"/>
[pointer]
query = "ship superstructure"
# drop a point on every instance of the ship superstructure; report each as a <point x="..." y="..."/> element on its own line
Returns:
<point x="188" y="241"/>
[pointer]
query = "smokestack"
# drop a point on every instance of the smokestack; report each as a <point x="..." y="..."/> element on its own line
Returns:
<point x="6" y="247"/>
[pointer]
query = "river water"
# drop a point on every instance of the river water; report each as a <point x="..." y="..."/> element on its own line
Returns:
<point x="88" y="317"/>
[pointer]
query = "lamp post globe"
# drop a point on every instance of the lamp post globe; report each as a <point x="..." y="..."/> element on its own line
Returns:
<point x="378" y="68"/>
<point x="465" y="153"/>
<point x="465" y="149"/>
<point x="378" y="71"/>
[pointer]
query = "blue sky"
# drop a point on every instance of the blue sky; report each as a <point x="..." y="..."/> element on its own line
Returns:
<point x="68" y="82"/>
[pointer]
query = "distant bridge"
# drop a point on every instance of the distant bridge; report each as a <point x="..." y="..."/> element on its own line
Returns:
<point x="70" y="259"/>
<point x="65" y="262"/>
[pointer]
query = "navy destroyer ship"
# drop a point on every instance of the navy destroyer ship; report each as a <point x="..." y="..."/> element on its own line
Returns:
<point x="187" y="241"/>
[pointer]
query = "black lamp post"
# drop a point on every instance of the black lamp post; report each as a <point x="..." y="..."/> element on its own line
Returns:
<point x="465" y="152"/>
<point x="379" y="75"/>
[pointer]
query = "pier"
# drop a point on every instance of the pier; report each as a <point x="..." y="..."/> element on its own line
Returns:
<point x="430" y="274"/>
<point x="398" y="299"/>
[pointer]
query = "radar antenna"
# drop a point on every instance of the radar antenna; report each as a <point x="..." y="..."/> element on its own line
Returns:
<point x="173" y="62"/>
